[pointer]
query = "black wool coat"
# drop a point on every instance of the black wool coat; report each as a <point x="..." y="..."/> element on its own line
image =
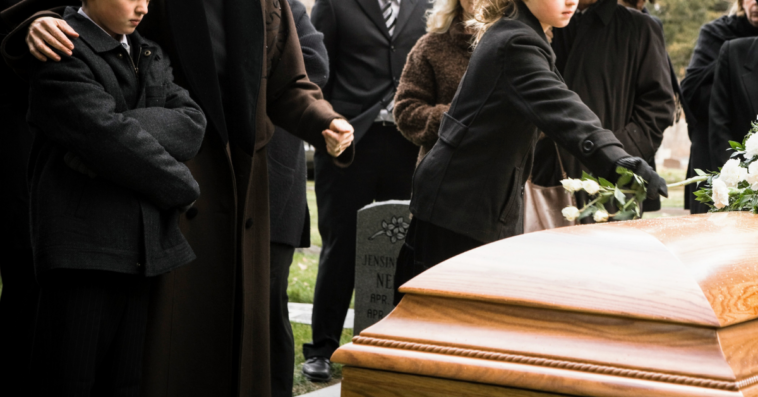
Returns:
<point x="472" y="180"/>
<point x="290" y="218"/>
<point x="127" y="120"/>
<point x="734" y="97"/>
<point x="696" y="91"/>
<point x="15" y="145"/>
<point x="615" y="59"/>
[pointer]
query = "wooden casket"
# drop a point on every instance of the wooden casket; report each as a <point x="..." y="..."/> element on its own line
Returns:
<point x="661" y="307"/>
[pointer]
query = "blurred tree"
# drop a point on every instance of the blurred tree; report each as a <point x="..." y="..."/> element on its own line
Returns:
<point x="682" y="20"/>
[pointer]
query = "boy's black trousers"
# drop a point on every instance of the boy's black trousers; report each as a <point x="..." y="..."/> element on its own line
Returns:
<point x="89" y="333"/>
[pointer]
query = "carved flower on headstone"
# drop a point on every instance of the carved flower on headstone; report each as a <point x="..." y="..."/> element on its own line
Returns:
<point x="395" y="230"/>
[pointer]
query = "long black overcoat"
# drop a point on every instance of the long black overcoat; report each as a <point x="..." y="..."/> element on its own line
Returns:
<point x="696" y="91"/>
<point x="734" y="97"/>
<point x="615" y="59"/>
<point x="472" y="180"/>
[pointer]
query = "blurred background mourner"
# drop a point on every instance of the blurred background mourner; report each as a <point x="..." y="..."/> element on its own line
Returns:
<point x="615" y="59"/>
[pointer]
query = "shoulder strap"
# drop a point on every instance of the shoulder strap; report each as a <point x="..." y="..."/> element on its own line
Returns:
<point x="560" y="162"/>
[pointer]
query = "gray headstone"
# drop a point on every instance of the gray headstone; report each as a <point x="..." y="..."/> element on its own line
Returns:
<point x="381" y="232"/>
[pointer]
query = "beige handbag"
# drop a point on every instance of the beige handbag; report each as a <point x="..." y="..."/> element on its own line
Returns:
<point x="543" y="205"/>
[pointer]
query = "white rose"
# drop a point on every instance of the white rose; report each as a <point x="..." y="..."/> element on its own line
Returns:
<point x="752" y="175"/>
<point x="732" y="173"/>
<point x="570" y="213"/>
<point x="572" y="185"/>
<point x="591" y="187"/>
<point x="600" y="216"/>
<point x="720" y="194"/>
<point x="751" y="146"/>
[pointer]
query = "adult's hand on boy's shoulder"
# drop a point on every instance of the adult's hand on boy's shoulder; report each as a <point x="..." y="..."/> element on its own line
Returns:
<point x="47" y="32"/>
<point x="75" y="163"/>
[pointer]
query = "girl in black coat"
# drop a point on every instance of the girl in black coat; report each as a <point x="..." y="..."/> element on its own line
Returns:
<point x="468" y="190"/>
<point x="697" y="84"/>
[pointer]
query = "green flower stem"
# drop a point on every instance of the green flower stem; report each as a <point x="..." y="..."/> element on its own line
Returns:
<point x="690" y="181"/>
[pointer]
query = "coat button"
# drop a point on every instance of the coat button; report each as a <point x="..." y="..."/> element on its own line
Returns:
<point x="249" y="223"/>
<point x="147" y="53"/>
<point x="139" y="264"/>
<point x="587" y="146"/>
<point x="392" y="47"/>
<point x="120" y="55"/>
<point x="191" y="213"/>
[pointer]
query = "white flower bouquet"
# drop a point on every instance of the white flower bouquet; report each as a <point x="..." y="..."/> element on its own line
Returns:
<point x="626" y="195"/>
<point x="733" y="188"/>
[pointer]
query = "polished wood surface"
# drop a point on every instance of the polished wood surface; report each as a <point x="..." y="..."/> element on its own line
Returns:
<point x="695" y="270"/>
<point x="364" y="383"/>
<point x="645" y="308"/>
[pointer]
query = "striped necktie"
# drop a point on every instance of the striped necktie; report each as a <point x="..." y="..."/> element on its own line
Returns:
<point x="388" y="12"/>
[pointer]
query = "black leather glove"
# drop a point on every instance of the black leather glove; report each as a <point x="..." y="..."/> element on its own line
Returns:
<point x="655" y="184"/>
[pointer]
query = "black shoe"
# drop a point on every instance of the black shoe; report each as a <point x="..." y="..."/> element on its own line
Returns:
<point x="318" y="369"/>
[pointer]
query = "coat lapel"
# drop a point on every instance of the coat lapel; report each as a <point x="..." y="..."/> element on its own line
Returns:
<point x="188" y="26"/>
<point x="750" y="75"/>
<point x="406" y="9"/>
<point x="371" y="8"/>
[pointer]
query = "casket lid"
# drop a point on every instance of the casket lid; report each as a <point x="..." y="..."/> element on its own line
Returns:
<point x="698" y="270"/>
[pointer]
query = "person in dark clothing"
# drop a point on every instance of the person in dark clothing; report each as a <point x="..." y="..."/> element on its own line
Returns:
<point x="18" y="302"/>
<point x="290" y="219"/>
<point x="368" y="42"/>
<point x="698" y="81"/>
<point x="99" y="236"/>
<point x="208" y="326"/>
<point x="468" y="189"/>
<point x="640" y="6"/>
<point x="734" y="97"/>
<point x="615" y="59"/>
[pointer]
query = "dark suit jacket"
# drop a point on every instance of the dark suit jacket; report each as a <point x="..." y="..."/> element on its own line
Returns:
<point x="696" y="90"/>
<point x="15" y="144"/>
<point x="365" y="63"/>
<point x="290" y="218"/>
<point x="208" y="331"/>
<point x="471" y="182"/>
<point x="734" y="97"/>
<point x="131" y="130"/>
<point x="615" y="59"/>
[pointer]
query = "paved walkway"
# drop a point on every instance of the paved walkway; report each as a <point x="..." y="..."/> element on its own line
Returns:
<point x="301" y="313"/>
<point x="331" y="391"/>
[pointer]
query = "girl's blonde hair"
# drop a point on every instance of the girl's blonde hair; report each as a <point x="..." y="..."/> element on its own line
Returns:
<point x="487" y="13"/>
<point x="442" y="15"/>
<point x="737" y="8"/>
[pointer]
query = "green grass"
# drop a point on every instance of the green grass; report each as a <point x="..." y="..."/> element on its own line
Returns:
<point x="302" y="385"/>
<point x="310" y="192"/>
<point x="302" y="280"/>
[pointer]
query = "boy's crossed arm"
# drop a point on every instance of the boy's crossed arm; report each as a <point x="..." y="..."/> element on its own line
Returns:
<point x="74" y="110"/>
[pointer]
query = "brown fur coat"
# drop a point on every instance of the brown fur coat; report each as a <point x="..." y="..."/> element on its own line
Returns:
<point x="435" y="66"/>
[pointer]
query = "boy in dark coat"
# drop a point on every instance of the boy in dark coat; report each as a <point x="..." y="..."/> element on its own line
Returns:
<point x="107" y="185"/>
